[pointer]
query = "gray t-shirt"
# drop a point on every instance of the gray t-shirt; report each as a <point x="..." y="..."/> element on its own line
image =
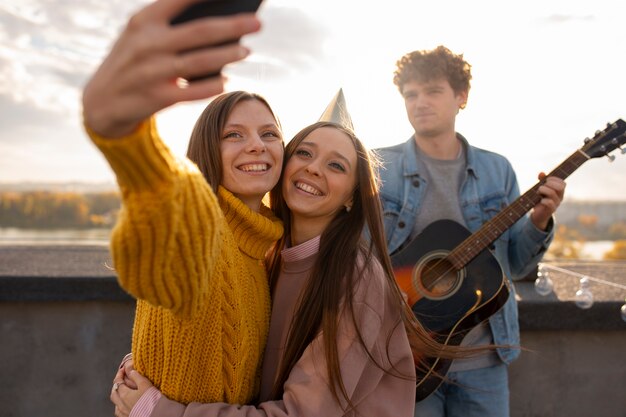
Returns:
<point x="443" y="179"/>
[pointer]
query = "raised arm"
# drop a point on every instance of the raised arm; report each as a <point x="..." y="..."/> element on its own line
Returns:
<point x="139" y="76"/>
<point x="168" y="232"/>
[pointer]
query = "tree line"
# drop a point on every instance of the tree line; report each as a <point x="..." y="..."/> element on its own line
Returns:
<point x="71" y="210"/>
<point x="48" y="210"/>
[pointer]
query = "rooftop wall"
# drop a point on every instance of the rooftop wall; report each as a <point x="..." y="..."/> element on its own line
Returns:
<point x="65" y="324"/>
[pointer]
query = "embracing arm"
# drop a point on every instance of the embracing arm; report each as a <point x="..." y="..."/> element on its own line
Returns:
<point x="306" y="392"/>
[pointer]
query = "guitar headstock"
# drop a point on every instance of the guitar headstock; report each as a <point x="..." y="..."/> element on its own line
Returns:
<point x="607" y="140"/>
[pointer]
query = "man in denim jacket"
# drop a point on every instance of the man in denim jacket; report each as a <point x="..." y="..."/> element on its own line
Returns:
<point x="437" y="175"/>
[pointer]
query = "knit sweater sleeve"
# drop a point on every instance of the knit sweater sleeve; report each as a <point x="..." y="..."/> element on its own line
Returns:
<point x="167" y="236"/>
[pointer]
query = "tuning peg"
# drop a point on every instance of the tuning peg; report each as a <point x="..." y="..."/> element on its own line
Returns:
<point x="616" y="143"/>
<point x="604" y="151"/>
<point x="587" y="140"/>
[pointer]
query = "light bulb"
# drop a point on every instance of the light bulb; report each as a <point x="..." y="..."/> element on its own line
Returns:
<point x="543" y="285"/>
<point x="584" y="298"/>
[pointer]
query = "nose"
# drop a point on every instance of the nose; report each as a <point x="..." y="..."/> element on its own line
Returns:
<point x="313" y="168"/>
<point x="421" y="101"/>
<point x="256" y="144"/>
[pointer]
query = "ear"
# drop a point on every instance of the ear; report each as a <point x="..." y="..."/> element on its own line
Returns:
<point x="461" y="99"/>
<point x="348" y="205"/>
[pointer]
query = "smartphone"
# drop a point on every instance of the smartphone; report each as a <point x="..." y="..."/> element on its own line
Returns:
<point x="216" y="8"/>
<point x="209" y="8"/>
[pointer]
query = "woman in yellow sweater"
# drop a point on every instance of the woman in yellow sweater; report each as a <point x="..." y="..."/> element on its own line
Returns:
<point x="192" y="233"/>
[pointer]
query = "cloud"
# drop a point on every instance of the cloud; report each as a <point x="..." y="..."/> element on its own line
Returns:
<point x="48" y="52"/>
<point x="290" y="42"/>
<point x="15" y="115"/>
<point x="564" y="18"/>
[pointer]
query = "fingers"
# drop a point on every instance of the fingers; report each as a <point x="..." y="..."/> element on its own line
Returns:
<point x="141" y="381"/>
<point x="198" y="33"/>
<point x="209" y="61"/>
<point x="118" y="395"/>
<point x="210" y="31"/>
<point x="119" y="375"/>
<point x="115" y="395"/>
<point x="556" y="184"/>
<point x="118" y="379"/>
<point x="128" y="367"/>
<point x="130" y="383"/>
<point x="165" y="10"/>
<point x="553" y="189"/>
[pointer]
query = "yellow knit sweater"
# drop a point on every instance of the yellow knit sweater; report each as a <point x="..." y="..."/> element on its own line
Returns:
<point x="194" y="261"/>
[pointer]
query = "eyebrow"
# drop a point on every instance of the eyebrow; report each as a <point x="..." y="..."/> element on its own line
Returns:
<point x="335" y="153"/>
<point x="241" y="125"/>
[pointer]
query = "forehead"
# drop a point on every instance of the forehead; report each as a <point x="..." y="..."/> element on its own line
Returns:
<point x="415" y="85"/>
<point x="250" y="111"/>
<point x="331" y="140"/>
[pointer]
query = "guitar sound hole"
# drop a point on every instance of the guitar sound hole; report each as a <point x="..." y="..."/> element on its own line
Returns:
<point x="437" y="278"/>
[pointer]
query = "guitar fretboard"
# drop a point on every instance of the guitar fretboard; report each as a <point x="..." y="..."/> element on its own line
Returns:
<point x="491" y="230"/>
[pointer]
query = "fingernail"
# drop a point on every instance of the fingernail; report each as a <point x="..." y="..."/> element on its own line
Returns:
<point x="243" y="52"/>
<point x="252" y="23"/>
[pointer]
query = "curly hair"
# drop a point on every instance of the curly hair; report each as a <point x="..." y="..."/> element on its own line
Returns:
<point x="428" y="65"/>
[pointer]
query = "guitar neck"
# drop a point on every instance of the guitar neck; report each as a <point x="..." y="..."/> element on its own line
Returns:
<point x="491" y="230"/>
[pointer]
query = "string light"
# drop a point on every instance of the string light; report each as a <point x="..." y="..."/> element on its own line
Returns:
<point x="584" y="296"/>
<point x="543" y="283"/>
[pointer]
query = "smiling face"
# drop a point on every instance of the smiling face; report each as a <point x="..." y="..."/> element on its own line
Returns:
<point x="432" y="106"/>
<point x="252" y="152"/>
<point x="319" y="181"/>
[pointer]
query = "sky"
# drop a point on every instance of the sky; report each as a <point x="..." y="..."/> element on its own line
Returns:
<point x="546" y="75"/>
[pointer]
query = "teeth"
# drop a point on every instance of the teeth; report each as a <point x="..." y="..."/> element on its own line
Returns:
<point x="307" y="188"/>
<point x="254" y="168"/>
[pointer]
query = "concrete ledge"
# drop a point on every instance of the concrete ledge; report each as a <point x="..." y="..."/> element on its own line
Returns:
<point x="85" y="273"/>
<point x="565" y="316"/>
<point x="58" y="273"/>
<point x="61" y="289"/>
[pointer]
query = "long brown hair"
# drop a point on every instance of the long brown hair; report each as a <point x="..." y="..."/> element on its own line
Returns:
<point x="204" y="144"/>
<point x="336" y="274"/>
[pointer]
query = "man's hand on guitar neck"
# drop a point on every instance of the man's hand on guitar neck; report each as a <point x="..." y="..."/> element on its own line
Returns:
<point x="552" y="192"/>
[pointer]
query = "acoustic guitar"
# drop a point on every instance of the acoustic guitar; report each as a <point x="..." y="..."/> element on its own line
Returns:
<point x="453" y="281"/>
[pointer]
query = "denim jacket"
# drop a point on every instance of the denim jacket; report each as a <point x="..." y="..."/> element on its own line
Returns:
<point x="488" y="186"/>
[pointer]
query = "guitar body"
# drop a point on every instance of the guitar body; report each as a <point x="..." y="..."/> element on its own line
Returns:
<point x="449" y="302"/>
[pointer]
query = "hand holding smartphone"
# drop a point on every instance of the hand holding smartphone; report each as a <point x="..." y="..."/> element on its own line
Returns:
<point x="209" y="8"/>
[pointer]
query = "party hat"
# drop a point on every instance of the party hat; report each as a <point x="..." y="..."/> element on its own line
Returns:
<point x="337" y="111"/>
